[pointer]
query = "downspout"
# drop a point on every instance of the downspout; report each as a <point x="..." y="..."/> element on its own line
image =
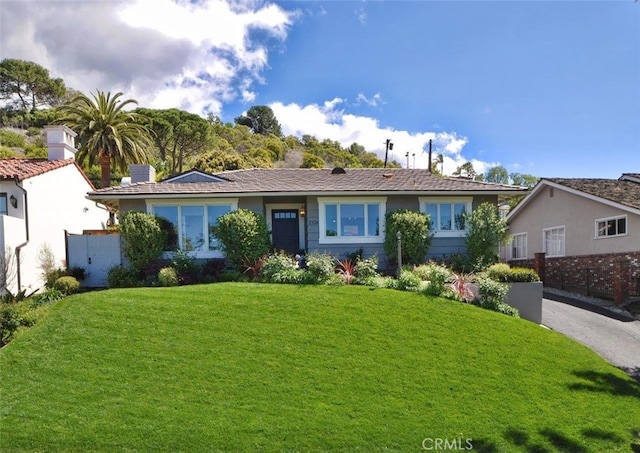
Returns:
<point x="26" y="226"/>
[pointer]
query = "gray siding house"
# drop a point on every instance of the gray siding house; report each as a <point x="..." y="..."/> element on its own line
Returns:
<point x="337" y="211"/>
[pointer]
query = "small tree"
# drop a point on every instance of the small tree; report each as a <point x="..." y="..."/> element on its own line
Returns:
<point x="415" y="228"/>
<point x="486" y="231"/>
<point x="143" y="238"/>
<point x="243" y="235"/>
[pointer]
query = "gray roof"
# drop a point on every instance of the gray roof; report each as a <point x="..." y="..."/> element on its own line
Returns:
<point x="620" y="191"/>
<point x="302" y="181"/>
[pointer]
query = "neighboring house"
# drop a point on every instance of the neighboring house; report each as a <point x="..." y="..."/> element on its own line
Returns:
<point x="337" y="211"/>
<point x="588" y="230"/>
<point x="41" y="199"/>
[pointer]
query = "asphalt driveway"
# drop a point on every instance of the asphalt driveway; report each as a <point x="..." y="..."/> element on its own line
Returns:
<point x="614" y="337"/>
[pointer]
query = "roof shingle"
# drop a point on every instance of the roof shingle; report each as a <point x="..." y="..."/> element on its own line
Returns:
<point x="619" y="191"/>
<point x="311" y="181"/>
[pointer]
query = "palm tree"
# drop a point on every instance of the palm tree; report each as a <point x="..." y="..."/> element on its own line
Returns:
<point x="107" y="135"/>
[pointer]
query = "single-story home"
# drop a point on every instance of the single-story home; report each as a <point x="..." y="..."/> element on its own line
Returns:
<point x="40" y="201"/>
<point x="327" y="210"/>
<point x="586" y="229"/>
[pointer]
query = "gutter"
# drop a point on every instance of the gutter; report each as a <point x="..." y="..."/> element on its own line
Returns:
<point x="26" y="226"/>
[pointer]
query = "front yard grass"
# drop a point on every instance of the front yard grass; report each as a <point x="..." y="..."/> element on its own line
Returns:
<point x="258" y="367"/>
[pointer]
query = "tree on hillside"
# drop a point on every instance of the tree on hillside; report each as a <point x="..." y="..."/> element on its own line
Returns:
<point x="178" y="135"/>
<point x="497" y="175"/>
<point x="26" y="86"/>
<point x="465" y="170"/>
<point x="261" y="120"/>
<point x="107" y="135"/>
<point x="523" y="179"/>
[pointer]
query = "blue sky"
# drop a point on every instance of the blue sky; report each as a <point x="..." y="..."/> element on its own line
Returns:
<point x="549" y="88"/>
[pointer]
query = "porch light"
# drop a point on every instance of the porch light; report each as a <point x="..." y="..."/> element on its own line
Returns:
<point x="14" y="201"/>
<point x="302" y="211"/>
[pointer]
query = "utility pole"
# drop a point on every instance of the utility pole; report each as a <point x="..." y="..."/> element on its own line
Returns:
<point x="386" y="153"/>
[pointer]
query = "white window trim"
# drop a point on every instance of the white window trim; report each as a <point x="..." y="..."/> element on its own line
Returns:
<point x="324" y="239"/>
<point x="202" y="254"/>
<point x="468" y="201"/>
<point x="626" y="221"/>
<point x="564" y="241"/>
<point x="525" y="246"/>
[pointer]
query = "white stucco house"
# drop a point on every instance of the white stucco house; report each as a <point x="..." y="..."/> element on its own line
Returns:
<point x="40" y="200"/>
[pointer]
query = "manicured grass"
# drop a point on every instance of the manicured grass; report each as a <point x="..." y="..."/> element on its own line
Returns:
<point x="256" y="367"/>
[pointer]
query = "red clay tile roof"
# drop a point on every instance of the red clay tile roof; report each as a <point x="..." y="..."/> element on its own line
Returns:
<point x="22" y="169"/>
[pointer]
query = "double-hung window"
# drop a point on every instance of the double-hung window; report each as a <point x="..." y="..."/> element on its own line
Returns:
<point x="448" y="215"/>
<point x="553" y="241"/>
<point x="191" y="226"/>
<point x="351" y="220"/>
<point x="612" y="226"/>
<point x="519" y="246"/>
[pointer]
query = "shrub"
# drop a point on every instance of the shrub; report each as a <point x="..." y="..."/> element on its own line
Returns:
<point x="486" y="231"/>
<point x="67" y="285"/>
<point x="47" y="297"/>
<point x="143" y="239"/>
<point x="347" y="270"/>
<point x="501" y="272"/>
<point x="168" y="277"/>
<point x="243" y="235"/>
<point x="367" y="267"/>
<point x="232" y="275"/>
<point x="276" y="265"/>
<point x="461" y="287"/>
<point x="436" y="275"/>
<point x="408" y="281"/>
<point x="9" y="322"/>
<point x="121" y="277"/>
<point x="492" y="296"/>
<point x="212" y="268"/>
<point x="12" y="139"/>
<point x="415" y="228"/>
<point x="320" y="268"/>
<point x="187" y="269"/>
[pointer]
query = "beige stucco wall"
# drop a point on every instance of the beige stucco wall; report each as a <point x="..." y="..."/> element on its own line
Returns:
<point x="578" y="215"/>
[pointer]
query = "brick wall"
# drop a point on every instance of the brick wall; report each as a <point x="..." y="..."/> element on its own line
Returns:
<point x="613" y="275"/>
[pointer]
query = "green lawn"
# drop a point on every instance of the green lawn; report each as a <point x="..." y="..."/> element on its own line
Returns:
<point x="256" y="367"/>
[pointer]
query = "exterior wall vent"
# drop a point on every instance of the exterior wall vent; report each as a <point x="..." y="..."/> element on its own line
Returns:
<point x="338" y="171"/>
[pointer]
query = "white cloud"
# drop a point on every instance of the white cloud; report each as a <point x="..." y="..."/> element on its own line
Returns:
<point x="164" y="53"/>
<point x="328" y="121"/>
<point x="373" y="101"/>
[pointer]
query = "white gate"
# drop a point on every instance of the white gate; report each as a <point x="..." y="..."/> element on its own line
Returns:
<point x="96" y="255"/>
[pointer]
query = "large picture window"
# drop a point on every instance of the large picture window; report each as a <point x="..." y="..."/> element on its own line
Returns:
<point x="448" y="215"/>
<point x="191" y="225"/>
<point x="357" y="220"/>
<point x="612" y="226"/>
<point x="553" y="241"/>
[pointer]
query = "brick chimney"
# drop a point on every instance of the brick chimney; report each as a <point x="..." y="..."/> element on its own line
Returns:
<point x="60" y="142"/>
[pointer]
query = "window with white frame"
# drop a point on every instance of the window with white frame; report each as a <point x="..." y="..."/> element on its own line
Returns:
<point x="448" y="215"/>
<point x="192" y="225"/>
<point x="3" y="204"/>
<point x="612" y="226"/>
<point x="519" y="246"/>
<point x="351" y="220"/>
<point x="553" y="241"/>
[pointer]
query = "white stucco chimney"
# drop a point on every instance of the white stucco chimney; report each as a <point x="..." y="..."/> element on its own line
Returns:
<point x="60" y="142"/>
<point x="142" y="173"/>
